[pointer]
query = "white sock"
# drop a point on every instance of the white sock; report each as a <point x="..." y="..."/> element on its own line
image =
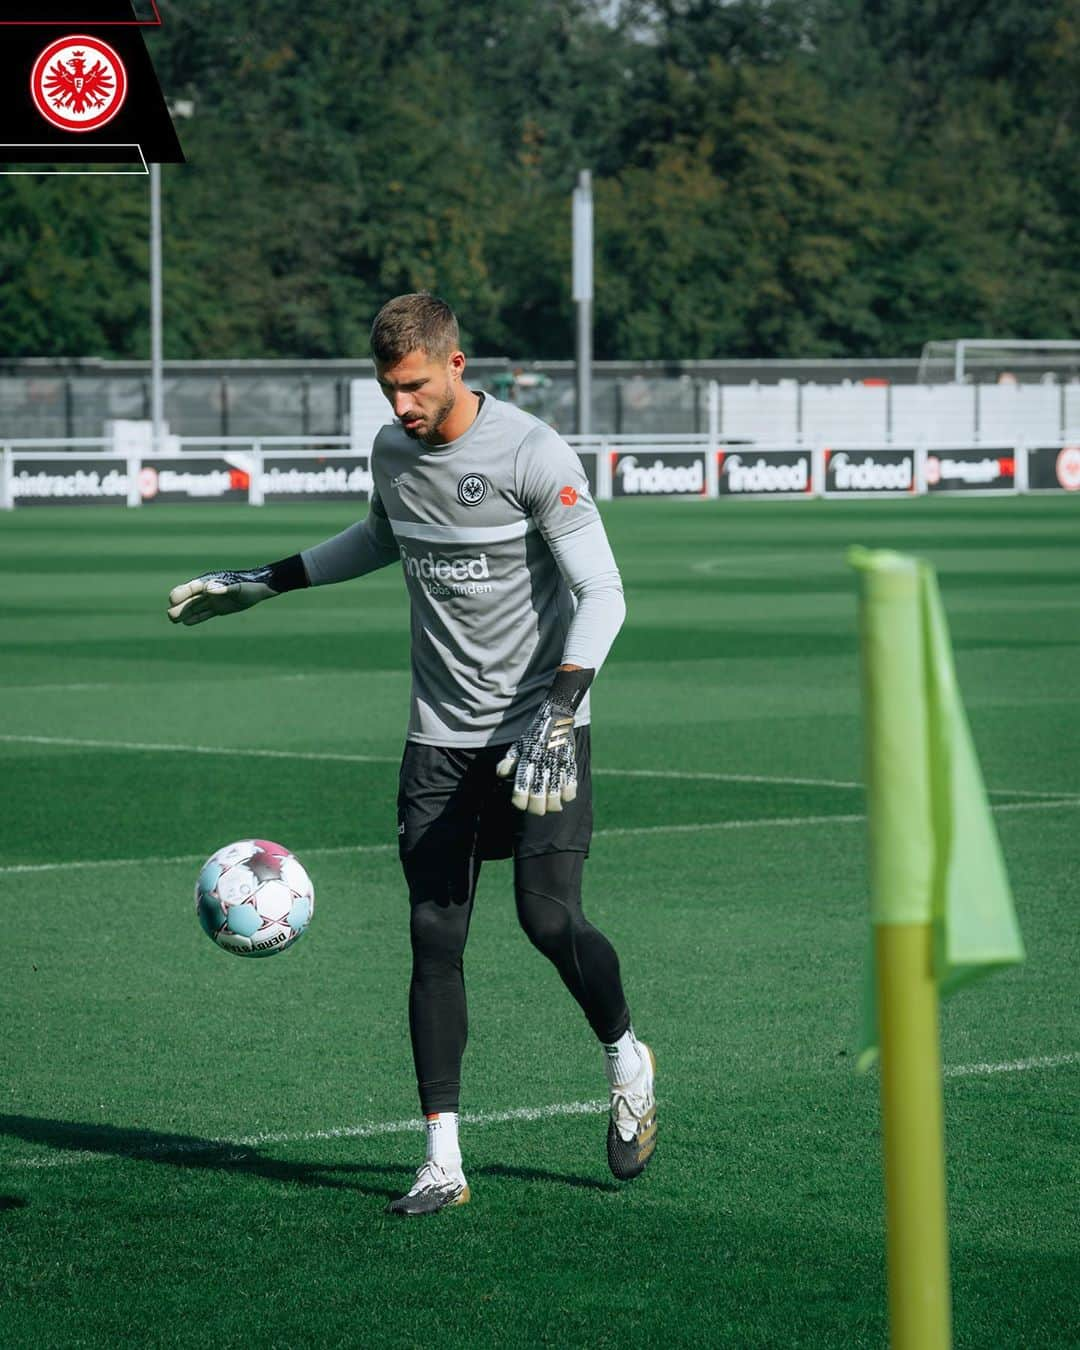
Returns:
<point x="442" y="1140"/>
<point x="623" y="1059"/>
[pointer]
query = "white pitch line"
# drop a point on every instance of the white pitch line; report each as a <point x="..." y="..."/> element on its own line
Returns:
<point x="1012" y="1066"/>
<point x="186" y="859"/>
<point x="150" y="1152"/>
<point x="82" y="686"/>
<point x="53" y="688"/>
<point x="164" y="747"/>
<point x="616" y="832"/>
<point x="1063" y="800"/>
<point x="706" y="776"/>
<point x="81" y="864"/>
<point x="341" y="757"/>
<point x="765" y="822"/>
<point x="348" y="758"/>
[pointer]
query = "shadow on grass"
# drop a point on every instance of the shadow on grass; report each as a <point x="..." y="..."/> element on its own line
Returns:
<point x="182" y="1150"/>
<point x="535" y="1174"/>
<point x="239" y="1158"/>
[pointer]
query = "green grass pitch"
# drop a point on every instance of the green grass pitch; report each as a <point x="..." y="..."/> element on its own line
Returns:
<point x="195" y="1150"/>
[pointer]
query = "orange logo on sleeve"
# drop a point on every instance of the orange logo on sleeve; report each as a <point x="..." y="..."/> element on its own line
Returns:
<point x="568" y="496"/>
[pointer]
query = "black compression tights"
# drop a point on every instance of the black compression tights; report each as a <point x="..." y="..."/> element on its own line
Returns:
<point x="548" y="893"/>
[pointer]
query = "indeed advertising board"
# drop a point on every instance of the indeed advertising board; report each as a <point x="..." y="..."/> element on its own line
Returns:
<point x="656" y="473"/>
<point x="764" y="473"/>
<point x="850" y="472"/>
<point x="1054" y="468"/>
<point x="969" y="471"/>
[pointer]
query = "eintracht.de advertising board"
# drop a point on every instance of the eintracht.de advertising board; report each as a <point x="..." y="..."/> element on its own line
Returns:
<point x="65" y="480"/>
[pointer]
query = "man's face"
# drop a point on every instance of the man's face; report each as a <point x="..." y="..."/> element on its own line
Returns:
<point x="422" y="391"/>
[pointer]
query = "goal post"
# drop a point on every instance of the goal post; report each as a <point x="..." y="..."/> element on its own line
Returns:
<point x="959" y="359"/>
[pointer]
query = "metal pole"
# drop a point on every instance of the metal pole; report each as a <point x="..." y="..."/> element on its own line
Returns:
<point x="584" y="367"/>
<point x="913" y="1138"/>
<point x="583" y="297"/>
<point x="157" y="393"/>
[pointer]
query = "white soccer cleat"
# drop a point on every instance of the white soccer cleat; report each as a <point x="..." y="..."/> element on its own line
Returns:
<point x="434" y="1188"/>
<point x="631" y="1137"/>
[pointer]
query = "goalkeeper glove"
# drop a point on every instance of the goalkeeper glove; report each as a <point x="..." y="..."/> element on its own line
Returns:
<point x="229" y="592"/>
<point x="542" y="761"/>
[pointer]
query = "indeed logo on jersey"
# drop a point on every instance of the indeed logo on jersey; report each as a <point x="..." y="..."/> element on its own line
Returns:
<point x="444" y="577"/>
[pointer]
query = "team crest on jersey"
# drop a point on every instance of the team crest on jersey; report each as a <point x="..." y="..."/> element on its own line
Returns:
<point x="472" y="489"/>
<point x="78" y="83"/>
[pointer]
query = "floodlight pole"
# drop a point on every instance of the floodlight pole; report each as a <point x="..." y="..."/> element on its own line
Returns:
<point x="583" y="297"/>
<point x="157" y="393"/>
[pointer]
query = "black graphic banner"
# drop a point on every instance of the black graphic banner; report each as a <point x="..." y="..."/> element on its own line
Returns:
<point x="140" y="14"/>
<point x="77" y="86"/>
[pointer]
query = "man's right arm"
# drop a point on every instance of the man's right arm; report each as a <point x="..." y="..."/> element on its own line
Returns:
<point x="361" y="548"/>
<point x="357" y="550"/>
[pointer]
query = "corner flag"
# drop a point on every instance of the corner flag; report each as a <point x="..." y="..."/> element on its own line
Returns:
<point x="941" y="908"/>
<point x="934" y="851"/>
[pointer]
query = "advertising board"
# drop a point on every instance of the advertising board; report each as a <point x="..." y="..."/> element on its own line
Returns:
<point x="764" y="473"/>
<point x="304" y="478"/>
<point x="658" y="473"/>
<point x="970" y="470"/>
<point x="68" y="480"/>
<point x="193" y="478"/>
<point x="852" y="472"/>
<point x="1054" y="468"/>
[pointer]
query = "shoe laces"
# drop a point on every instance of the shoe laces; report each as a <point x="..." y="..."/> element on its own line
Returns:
<point x="432" y="1176"/>
<point x="630" y="1102"/>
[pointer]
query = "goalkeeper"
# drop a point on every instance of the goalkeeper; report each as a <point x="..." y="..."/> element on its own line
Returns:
<point x="515" y="600"/>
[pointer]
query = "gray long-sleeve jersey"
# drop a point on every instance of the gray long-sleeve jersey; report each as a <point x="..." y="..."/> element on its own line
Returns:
<point x="508" y="568"/>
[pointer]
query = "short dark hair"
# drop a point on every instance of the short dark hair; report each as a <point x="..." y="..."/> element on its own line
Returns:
<point x="416" y="322"/>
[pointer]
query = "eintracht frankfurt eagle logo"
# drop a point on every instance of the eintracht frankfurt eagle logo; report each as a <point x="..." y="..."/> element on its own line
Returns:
<point x="471" y="490"/>
<point x="78" y="83"/>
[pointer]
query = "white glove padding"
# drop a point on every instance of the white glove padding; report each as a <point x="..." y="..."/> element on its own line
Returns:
<point x="543" y="761"/>
<point x="218" y="593"/>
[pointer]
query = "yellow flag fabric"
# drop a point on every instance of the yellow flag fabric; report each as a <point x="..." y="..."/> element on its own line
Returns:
<point x="934" y="851"/>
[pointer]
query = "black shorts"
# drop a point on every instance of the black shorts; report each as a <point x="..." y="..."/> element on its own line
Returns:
<point x="453" y="807"/>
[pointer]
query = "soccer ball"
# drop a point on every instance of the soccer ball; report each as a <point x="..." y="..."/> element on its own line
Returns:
<point x="254" y="898"/>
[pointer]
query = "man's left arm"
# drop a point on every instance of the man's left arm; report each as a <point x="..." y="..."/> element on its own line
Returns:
<point x="555" y="491"/>
<point x="585" y="559"/>
<point x="553" y="487"/>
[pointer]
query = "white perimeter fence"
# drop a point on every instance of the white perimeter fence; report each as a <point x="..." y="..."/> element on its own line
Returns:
<point x="879" y="413"/>
<point x="257" y="472"/>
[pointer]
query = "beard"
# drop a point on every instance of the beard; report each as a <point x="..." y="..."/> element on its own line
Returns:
<point x="434" y="420"/>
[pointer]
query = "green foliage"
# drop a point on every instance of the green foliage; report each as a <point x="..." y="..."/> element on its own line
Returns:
<point x="840" y="177"/>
